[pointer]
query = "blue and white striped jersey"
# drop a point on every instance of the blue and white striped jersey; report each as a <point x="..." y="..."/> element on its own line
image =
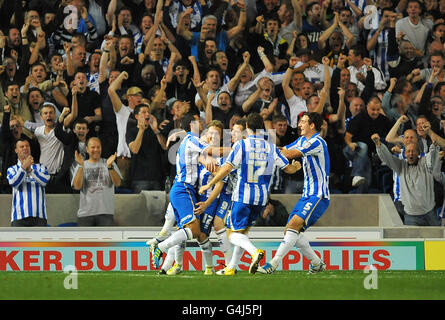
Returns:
<point x="205" y="176"/>
<point x="187" y="164"/>
<point x="28" y="191"/>
<point x="316" y="165"/>
<point x="255" y="160"/>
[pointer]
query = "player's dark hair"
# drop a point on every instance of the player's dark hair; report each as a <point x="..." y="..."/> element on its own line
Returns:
<point x="255" y="121"/>
<point x="314" y="118"/>
<point x="186" y="121"/>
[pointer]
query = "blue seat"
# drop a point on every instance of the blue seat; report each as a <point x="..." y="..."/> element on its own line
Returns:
<point x="68" y="224"/>
<point x="123" y="191"/>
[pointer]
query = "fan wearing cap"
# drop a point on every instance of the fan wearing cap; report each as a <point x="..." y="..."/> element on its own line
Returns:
<point x="134" y="97"/>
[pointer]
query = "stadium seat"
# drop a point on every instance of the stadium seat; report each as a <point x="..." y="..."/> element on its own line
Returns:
<point x="123" y="191"/>
<point x="68" y="224"/>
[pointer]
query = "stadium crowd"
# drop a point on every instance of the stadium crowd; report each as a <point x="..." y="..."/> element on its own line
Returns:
<point x="128" y="71"/>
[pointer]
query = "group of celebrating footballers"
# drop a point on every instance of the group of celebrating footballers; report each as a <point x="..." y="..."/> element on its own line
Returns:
<point x="228" y="188"/>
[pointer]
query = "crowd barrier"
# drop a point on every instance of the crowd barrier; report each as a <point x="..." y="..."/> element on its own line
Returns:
<point x="357" y="231"/>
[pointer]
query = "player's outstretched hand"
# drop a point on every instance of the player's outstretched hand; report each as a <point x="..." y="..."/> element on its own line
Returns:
<point x="200" y="208"/>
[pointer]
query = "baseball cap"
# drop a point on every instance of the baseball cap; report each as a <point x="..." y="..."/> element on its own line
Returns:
<point x="134" y="91"/>
<point x="170" y="103"/>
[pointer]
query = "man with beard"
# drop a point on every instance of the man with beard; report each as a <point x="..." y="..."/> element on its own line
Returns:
<point x="209" y="30"/>
<point x="11" y="132"/>
<point x="206" y="49"/>
<point x="14" y="42"/>
<point x="402" y="59"/>
<point x="224" y="111"/>
<point x="212" y="83"/>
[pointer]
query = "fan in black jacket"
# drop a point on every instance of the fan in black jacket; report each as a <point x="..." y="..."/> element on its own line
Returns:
<point x="72" y="140"/>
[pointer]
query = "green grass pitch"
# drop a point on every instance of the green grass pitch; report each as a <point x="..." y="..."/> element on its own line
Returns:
<point x="283" y="285"/>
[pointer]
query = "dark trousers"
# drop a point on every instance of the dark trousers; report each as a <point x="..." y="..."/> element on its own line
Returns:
<point x="29" y="222"/>
<point x="139" y="185"/>
<point x="100" y="220"/>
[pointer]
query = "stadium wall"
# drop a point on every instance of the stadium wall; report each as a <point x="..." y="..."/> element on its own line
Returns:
<point x="148" y="208"/>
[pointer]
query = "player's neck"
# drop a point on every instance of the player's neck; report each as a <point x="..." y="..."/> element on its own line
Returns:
<point x="310" y="134"/>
